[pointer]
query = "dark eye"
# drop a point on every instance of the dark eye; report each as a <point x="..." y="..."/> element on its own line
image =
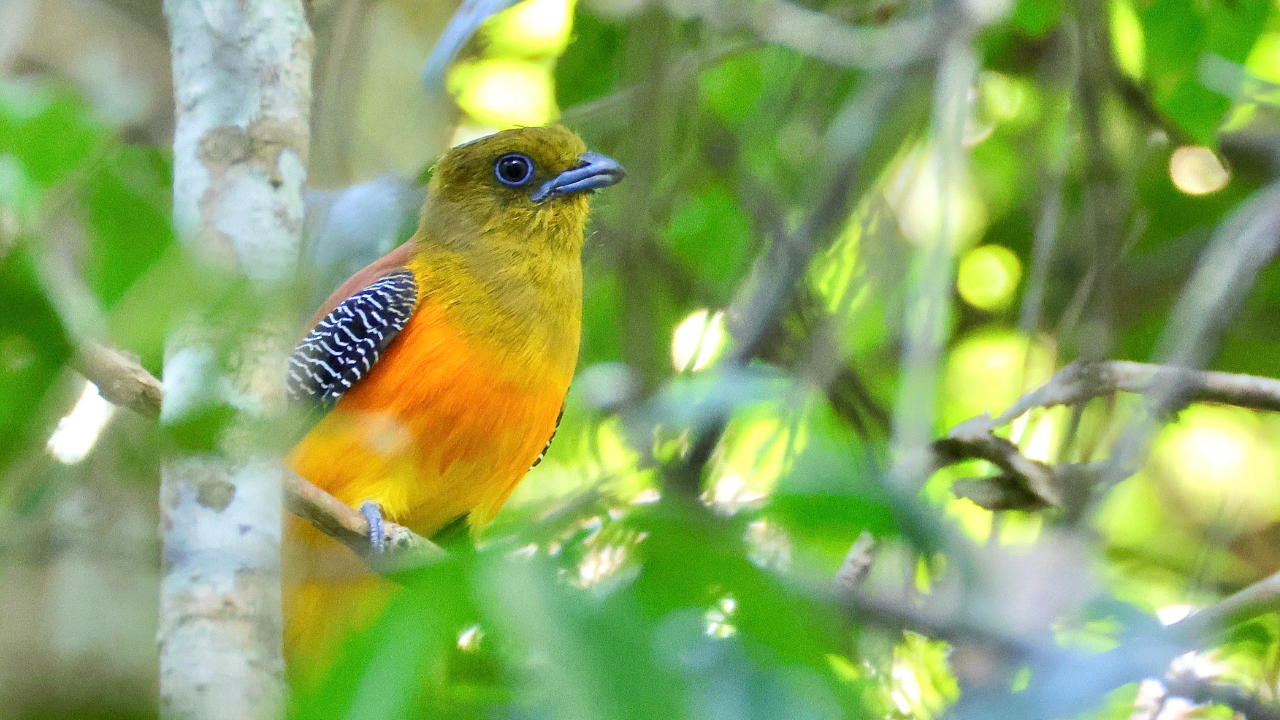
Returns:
<point x="514" y="169"/>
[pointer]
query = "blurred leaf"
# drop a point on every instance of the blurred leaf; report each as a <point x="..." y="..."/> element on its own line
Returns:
<point x="588" y="69"/>
<point x="129" y="205"/>
<point x="1178" y="35"/>
<point x="709" y="232"/>
<point x="49" y="132"/>
<point x="33" y="347"/>
<point x="733" y="88"/>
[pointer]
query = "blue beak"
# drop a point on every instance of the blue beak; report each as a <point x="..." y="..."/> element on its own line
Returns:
<point x="593" y="173"/>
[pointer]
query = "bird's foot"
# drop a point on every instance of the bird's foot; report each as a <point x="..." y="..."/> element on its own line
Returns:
<point x="372" y="512"/>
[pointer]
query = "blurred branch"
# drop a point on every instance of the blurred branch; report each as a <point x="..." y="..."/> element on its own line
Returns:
<point x="1204" y="690"/>
<point x="1246" y="241"/>
<point x="685" y="69"/>
<point x="1026" y="484"/>
<point x="1139" y="100"/>
<point x="1082" y="381"/>
<point x="857" y="565"/>
<point x="466" y="20"/>
<point x="822" y="37"/>
<point x="928" y="303"/>
<point x="122" y="381"/>
<point x="1205" y="625"/>
<point x="762" y="298"/>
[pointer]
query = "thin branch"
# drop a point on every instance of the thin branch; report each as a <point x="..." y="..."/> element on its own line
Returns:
<point x="1082" y="381"/>
<point x="122" y="381"/>
<point x="822" y="37"/>
<point x="1026" y="484"/>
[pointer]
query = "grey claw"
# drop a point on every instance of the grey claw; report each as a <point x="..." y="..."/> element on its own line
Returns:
<point x="373" y="514"/>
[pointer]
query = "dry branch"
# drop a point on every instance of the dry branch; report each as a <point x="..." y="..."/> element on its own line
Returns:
<point x="1083" y="381"/>
<point x="1026" y="484"/>
<point x="122" y="381"/>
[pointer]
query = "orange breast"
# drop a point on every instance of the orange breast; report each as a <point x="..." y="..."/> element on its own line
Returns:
<point x="440" y="427"/>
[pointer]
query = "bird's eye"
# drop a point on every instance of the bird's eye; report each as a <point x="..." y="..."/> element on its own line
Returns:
<point x="513" y="169"/>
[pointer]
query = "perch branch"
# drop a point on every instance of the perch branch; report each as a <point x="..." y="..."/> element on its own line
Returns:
<point x="122" y="381"/>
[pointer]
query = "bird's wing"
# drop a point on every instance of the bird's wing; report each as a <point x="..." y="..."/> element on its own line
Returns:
<point x="344" y="345"/>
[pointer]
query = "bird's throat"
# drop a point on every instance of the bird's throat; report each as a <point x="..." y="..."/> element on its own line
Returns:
<point x="523" y="304"/>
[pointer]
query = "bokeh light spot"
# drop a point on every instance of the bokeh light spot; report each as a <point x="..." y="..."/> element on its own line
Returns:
<point x="505" y="94"/>
<point x="697" y="340"/>
<point x="988" y="277"/>
<point x="533" y="27"/>
<point x="1222" y="463"/>
<point x="915" y="192"/>
<point x="1196" y="170"/>
<point x="985" y="373"/>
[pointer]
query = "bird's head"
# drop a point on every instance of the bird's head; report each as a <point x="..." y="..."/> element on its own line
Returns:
<point x="526" y="186"/>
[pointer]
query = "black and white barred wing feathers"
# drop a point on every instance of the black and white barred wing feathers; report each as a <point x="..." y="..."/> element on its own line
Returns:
<point x="343" y="347"/>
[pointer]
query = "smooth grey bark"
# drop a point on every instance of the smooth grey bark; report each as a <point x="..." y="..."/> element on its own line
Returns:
<point x="242" y="83"/>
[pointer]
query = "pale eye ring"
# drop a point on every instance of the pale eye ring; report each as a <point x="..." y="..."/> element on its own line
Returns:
<point x="513" y="169"/>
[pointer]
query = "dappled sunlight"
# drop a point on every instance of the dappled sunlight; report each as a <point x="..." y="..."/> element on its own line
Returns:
<point x="974" y="521"/>
<point x="698" y="340"/>
<point x="988" y="370"/>
<point x="756" y="451"/>
<point x="1038" y="433"/>
<point x="771" y="546"/>
<point x="505" y="93"/>
<point x="532" y="28"/>
<point x="78" y="431"/>
<point x="838" y="271"/>
<point x="513" y="84"/>
<point x="720" y="618"/>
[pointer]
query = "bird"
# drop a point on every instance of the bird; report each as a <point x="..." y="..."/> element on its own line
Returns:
<point x="439" y="372"/>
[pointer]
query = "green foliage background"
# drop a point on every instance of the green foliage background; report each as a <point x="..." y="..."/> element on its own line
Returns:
<point x="603" y="590"/>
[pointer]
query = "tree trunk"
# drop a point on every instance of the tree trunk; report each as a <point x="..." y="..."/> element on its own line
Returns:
<point x="242" y="81"/>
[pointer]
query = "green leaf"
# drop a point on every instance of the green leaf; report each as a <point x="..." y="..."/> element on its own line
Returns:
<point x="129" y="204"/>
<point x="33" y="347"/>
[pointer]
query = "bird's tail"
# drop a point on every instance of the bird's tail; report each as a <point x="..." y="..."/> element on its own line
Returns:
<point x="329" y="597"/>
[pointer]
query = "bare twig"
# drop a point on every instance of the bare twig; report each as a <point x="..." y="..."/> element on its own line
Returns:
<point x="1026" y="484"/>
<point x="122" y="381"/>
<point x="404" y="549"/>
<point x="1082" y="381"/>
